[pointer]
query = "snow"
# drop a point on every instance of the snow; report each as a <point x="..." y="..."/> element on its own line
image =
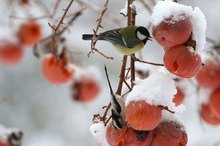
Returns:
<point x="199" y="29"/>
<point x="167" y="116"/>
<point x="124" y="11"/>
<point x="203" y="95"/>
<point x="167" y="9"/>
<point x="157" y="89"/>
<point x="133" y="6"/>
<point x="4" y="133"/>
<point x="98" y="130"/>
<point x="91" y="72"/>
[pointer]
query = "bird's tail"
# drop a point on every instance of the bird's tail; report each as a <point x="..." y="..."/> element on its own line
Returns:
<point x="87" y="36"/>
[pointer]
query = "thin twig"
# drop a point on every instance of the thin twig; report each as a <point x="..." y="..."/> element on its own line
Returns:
<point x="99" y="25"/>
<point x="59" y="33"/>
<point x="126" y="83"/>
<point x="102" y="54"/>
<point x="162" y="107"/>
<point x="75" y="16"/>
<point x="131" y="21"/>
<point x="56" y="28"/>
<point x="106" y="112"/>
<point x="122" y="75"/>
<point x="147" y="62"/>
<point x="128" y="71"/>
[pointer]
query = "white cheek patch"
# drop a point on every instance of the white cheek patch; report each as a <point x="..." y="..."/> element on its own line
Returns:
<point x="141" y="36"/>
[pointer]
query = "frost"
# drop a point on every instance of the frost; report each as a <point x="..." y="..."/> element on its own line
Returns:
<point x="98" y="130"/>
<point x="167" y="9"/>
<point x="157" y="89"/>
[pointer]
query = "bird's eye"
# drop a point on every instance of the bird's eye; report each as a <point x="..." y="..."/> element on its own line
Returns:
<point x="141" y="36"/>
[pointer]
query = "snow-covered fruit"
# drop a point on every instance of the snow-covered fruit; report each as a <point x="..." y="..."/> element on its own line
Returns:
<point x="209" y="75"/>
<point x="127" y="136"/>
<point x="208" y="116"/>
<point x="11" y="53"/>
<point x="182" y="61"/>
<point x="174" y="24"/>
<point x="179" y="97"/>
<point x="142" y="116"/>
<point x="169" y="133"/>
<point x="29" y="33"/>
<point x="173" y="31"/>
<point x="85" y="88"/>
<point x="56" y="70"/>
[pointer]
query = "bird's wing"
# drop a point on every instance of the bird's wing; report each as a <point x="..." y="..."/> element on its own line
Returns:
<point x="115" y="37"/>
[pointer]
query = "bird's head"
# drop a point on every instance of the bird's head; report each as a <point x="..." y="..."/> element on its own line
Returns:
<point x="143" y="34"/>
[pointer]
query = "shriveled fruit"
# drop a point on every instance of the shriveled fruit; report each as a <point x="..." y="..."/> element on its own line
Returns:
<point x="173" y="31"/>
<point x="11" y="53"/>
<point x="137" y="138"/>
<point x="169" y="133"/>
<point x="142" y="116"/>
<point x="182" y="61"/>
<point x="85" y="89"/>
<point x="214" y="102"/>
<point x="114" y="136"/>
<point x="29" y="33"/>
<point x="208" y="116"/>
<point x="56" y="71"/>
<point x="179" y="97"/>
<point x="128" y="136"/>
<point x="209" y="75"/>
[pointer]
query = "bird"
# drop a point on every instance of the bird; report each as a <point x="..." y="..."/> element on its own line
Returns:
<point x="127" y="40"/>
<point x="117" y="109"/>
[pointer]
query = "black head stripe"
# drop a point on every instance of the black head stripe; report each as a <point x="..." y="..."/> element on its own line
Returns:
<point x="144" y="32"/>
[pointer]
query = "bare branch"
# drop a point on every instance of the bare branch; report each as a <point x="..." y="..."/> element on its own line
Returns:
<point x="102" y="54"/>
<point x="122" y="75"/>
<point x="131" y="21"/>
<point x="147" y="62"/>
<point x="56" y="28"/>
<point x="95" y="31"/>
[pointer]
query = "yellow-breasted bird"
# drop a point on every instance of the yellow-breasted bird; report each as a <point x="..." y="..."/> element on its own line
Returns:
<point x="127" y="40"/>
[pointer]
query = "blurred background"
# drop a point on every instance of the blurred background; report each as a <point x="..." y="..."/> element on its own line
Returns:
<point x="45" y="112"/>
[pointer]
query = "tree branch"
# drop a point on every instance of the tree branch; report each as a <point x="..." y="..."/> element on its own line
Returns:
<point x="95" y="35"/>
<point x="56" y="28"/>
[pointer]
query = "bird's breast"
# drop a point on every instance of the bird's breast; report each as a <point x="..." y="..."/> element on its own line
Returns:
<point x="129" y="51"/>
